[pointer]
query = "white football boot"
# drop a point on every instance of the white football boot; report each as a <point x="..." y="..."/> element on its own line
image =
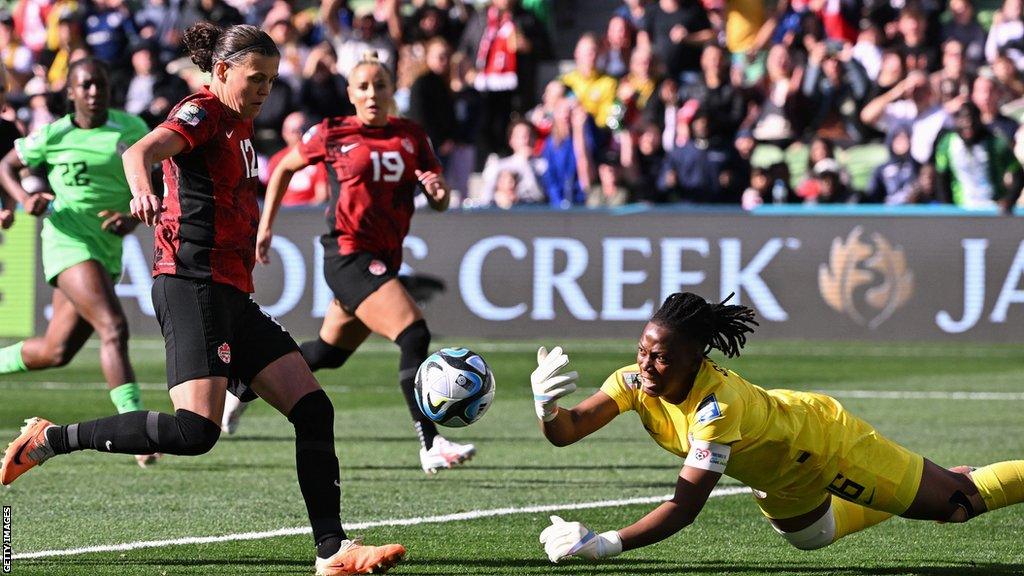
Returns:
<point x="233" y="410"/>
<point x="445" y="454"/>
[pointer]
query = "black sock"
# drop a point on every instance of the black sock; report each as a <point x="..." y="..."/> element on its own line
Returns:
<point x="319" y="354"/>
<point x="413" y="343"/>
<point x="143" y="432"/>
<point x="317" y="467"/>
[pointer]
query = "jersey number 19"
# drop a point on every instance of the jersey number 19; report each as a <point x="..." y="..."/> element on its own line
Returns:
<point x="390" y="163"/>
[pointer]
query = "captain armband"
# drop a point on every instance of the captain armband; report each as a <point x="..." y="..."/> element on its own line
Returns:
<point x="708" y="456"/>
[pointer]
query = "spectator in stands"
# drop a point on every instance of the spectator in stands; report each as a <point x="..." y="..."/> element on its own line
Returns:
<point x="776" y="116"/>
<point x="1007" y="34"/>
<point x="152" y="91"/>
<point x="693" y="172"/>
<point x="890" y="72"/>
<point x="569" y="154"/>
<point x="769" y="186"/>
<point x="504" y="43"/>
<point x="294" y="54"/>
<point x="522" y="162"/>
<point x="819" y="151"/>
<point x="868" y="51"/>
<point x="837" y="85"/>
<point x="323" y="92"/>
<point x="985" y="95"/>
<point x="308" y="186"/>
<point x="721" y="102"/>
<point x="157" y="21"/>
<point x="431" y="103"/>
<point x="462" y="158"/>
<point x="678" y="30"/>
<point x="609" y="191"/>
<point x="636" y="87"/>
<point x="912" y="102"/>
<point x="952" y="80"/>
<point x="366" y="35"/>
<point x="17" y="58"/>
<point x="894" y="182"/>
<point x="964" y="28"/>
<point x="506" y="193"/>
<point x="69" y="35"/>
<point x="109" y="31"/>
<point x="663" y="111"/>
<point x="542" y="116"/>
<point x="1009" y="77"/>
<point x="635" y="12"/>
<point x="976" y="169"/>
<point x="912" y="38"/>
<point x="218" y="11"/>
<point x="592" y="88"/>
<point x="424" y="24"/>
<point x="831" y="186"/>
<point x="614" y="53"/>
<point x="642" y="157"/>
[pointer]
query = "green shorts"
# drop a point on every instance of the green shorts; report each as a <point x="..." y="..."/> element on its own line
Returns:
<point x="62" y="250"/>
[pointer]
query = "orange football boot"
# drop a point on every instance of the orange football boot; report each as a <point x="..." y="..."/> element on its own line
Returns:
<point x="26" y="451"/>
<point x="355" y="558"/>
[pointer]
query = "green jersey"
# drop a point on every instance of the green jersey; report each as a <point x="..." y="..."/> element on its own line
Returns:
<point x="86" y="176"/>
<point x="84" y="167"/>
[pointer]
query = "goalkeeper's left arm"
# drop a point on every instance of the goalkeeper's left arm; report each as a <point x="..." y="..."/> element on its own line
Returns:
<point x="693" y="487"/>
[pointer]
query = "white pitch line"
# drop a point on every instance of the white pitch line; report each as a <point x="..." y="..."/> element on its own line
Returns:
<point x="471" y="515"/>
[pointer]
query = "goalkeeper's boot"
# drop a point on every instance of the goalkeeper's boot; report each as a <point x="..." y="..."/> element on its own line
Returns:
<point x="233" y="410"/>
<point x="445" y="454"/>
<point x="144" y="460"/>
<point x="355" y="558"/>
<point x="27" y="450"/>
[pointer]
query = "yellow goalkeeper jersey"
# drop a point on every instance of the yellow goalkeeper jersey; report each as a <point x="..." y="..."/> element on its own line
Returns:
<point x="779" y="441"/>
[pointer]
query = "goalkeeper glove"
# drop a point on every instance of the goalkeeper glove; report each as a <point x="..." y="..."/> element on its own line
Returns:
<point x="563" y="539"/>
<point x="549" y="384"/>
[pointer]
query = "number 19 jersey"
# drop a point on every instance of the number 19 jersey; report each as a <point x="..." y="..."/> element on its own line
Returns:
<point x="372" y="179"/>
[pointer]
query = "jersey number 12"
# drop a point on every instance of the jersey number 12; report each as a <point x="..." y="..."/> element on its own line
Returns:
<point x="392" y="165"/>
<point x="252" y="168"/>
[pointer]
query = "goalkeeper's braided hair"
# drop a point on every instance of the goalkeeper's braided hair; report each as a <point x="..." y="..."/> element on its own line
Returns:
<point x="721" y="326"/>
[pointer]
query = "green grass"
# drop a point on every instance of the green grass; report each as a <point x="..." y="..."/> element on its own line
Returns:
<point x="247" y="482"/>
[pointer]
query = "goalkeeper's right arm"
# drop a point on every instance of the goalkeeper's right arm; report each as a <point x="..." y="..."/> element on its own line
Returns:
<point x="564" y="426"/>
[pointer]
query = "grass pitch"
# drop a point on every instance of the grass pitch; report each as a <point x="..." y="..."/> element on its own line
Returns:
<point x="247" y="483"/>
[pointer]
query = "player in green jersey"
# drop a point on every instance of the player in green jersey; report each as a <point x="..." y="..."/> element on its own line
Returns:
<point x="82" y="235"/>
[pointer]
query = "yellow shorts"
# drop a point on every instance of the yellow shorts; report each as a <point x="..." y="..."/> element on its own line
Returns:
<point x="872" y="471"/>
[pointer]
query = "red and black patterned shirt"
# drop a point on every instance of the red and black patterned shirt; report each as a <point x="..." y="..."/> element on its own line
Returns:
<point x="372" y="178"/>
<point x="208" y="228"/>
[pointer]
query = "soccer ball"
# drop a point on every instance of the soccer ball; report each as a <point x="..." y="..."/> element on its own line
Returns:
<point x="454" y="387"/>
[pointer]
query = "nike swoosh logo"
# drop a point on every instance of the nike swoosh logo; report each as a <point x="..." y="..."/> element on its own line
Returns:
<point x="17" y="455"/>
<point x="337" y="483"/>
<point x="346" y="147"/>
<point x="109" y="444"/>
<point x="229" y="133"/>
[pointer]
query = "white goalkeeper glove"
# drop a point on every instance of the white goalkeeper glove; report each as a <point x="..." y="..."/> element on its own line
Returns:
<point x="563" y="539"/>
<point x="549" y="384"/>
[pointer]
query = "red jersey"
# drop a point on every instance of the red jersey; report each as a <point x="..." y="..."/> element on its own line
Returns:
<point x="208" y="228"/>
<point x="302" y="187"/>
<point x="372" y="179"/>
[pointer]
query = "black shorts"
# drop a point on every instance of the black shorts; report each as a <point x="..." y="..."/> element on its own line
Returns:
<point x="353" y="277"/>
<point x="216" y="330"/>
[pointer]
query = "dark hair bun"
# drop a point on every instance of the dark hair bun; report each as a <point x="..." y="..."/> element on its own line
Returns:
<point x="200" y="40"/>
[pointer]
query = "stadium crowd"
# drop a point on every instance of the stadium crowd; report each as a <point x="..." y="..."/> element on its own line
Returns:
<point x="676" y="101"/>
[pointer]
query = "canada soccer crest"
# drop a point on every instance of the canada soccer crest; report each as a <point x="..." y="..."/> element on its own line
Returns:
<point x="224" y="353"/>
<point x="377" y="268"/>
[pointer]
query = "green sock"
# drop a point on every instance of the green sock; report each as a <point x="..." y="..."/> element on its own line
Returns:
<point x="126" y="398"/>
<point x="10" y="359"/>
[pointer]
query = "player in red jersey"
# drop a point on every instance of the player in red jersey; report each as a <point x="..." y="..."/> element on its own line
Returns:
<point x="376" y="164"/>
<point x="214" y="332"/>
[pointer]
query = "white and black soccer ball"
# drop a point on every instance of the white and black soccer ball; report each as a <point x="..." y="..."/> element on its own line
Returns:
<point x="454" y="387"/>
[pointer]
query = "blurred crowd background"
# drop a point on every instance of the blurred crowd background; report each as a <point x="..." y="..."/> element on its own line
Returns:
<point x="564" y="103"/>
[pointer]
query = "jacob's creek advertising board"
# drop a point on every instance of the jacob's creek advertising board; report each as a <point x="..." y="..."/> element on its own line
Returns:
<point x="581" y="274"/>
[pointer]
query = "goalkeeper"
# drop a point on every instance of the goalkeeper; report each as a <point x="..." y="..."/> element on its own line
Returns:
<point x="818" y="473"/>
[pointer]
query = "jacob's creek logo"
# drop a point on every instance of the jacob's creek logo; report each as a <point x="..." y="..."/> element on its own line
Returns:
<point x="865" y="279"/>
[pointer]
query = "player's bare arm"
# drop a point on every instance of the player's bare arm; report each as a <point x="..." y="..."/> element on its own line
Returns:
<point x="10" y="168"/>
<point x="157" y="146"/>
<point x="693" y="487"/>
<point x="292" y="162"/>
